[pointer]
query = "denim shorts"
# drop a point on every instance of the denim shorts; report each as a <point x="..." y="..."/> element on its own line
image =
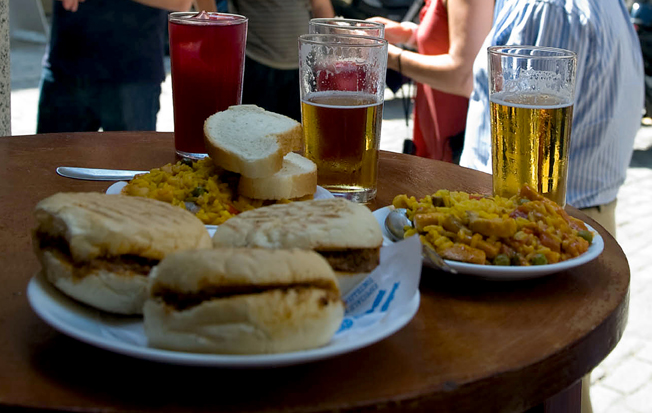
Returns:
<point x="79" y="104"/>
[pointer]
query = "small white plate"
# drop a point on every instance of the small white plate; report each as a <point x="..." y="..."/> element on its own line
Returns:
<point x="496" y="272"/>
<point x="115" y="189"/>
<point x="125" y="335"/>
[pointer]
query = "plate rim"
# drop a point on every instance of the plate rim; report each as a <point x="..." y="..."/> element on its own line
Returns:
<point x="39" y="289"/>
<point x="508" y="272"/>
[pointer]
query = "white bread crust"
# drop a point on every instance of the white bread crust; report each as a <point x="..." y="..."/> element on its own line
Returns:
<point x="191" y="271"/>
<point x="97" y="225"/>
<point x="298" y="306"/>
<point x="116" y="293"/>
<point x="320" y="224"/>
<point x="297" y="178"/>
<point x="250" y="140"/>
<point x="274" y="321"/>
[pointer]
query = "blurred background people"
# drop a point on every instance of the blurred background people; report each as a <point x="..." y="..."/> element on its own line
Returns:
<point x="103" y="66"/>
<point x="447" y="40"/>
<point x="211" y="5"/>
<point x="271" y="78"/>
<point x="641" y="17"/>
<point x="608" y="99"/>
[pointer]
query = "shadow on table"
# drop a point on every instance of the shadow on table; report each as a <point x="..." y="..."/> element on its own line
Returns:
<point x="472" y="288"/>
<point x="106" y="378"/>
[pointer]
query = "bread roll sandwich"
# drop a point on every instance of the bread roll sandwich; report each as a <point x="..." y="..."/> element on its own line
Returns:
<point x="242" y="301"/>
<point x="344" y="232"/>
<point x="99" y="249"/>
<point x="250" y="140"/>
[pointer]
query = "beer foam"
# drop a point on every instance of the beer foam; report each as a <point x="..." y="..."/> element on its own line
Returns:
<point x="549" y="88"/>
<point x="530" y="100"/>
<point x="341" y="99"/>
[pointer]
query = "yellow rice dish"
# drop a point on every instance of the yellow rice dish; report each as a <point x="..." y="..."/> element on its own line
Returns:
<point x="526" y="229"/>
<point x="201" y="187"/>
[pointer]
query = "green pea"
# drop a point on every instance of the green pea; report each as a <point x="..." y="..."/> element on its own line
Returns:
<point x="198" y="191"/>
<point x="502" y="259"/>
<point x="187" y="162"/>
<point x="539" y="259"/>
<point x="587" y="235"/>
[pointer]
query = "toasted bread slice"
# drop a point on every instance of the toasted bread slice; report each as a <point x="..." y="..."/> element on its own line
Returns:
<point x="297" y="178"/>
<point x="333" y="224"/>
<point x="250" y="140"/>
<point x="96" y="225"/>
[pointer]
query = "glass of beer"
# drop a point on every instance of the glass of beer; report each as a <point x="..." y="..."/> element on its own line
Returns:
<point x="346" y="26"/>
<point x="207" y="53"/>
<point x="531" y="94"/>
<point x="342" y="79"/>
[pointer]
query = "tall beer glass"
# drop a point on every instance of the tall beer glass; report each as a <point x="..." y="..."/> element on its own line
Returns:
<point x="531" y="93"/>
<point x="342" y="82"/>
<point x="346" y="26"/>
<point x="207" y="54"/>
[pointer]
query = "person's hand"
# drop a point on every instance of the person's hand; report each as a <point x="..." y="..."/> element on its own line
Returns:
<point x="71" y="5"/>
<point x="395" y="32"/>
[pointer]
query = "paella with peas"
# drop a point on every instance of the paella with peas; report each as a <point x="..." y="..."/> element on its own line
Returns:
<point x="207" y="190"/>
<point x="524" y="230"/>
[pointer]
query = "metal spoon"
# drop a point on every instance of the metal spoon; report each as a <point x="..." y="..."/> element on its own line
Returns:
<point x="395" y="224"/>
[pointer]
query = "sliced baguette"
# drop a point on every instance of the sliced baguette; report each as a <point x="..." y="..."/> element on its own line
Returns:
<point x="297" y="178"/>
<point x="250" y="140"/>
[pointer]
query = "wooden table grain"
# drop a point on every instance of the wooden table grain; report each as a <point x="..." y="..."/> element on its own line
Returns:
<point x="474" y="346"/>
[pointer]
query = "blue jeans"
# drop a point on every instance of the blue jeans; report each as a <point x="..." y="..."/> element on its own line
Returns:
<point x="83" y="105"/>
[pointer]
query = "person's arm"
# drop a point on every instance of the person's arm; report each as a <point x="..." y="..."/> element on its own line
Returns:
<point x="395" y="32"/>
<point x="205" y="5"/>
<point x="71" y="5"/>
<point x="322" y="8"/>
<point x="172" y="5"/>
<point x="469" y="22"/>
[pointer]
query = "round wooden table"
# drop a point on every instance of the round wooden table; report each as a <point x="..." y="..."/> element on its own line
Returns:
<point x="474" y="346"/>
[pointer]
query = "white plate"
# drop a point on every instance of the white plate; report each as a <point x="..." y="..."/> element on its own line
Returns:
<point x="496" y="272"/>
<point x="125" y="335"/>
<point x="115" y="189"/>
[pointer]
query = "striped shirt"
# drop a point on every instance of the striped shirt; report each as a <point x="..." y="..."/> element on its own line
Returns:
<point x="274" y="29"/>
<point x="609" y="89"/>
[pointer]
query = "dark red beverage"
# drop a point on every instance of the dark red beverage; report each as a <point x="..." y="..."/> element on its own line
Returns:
<point x="207" y="56"/>
<point x="345" y="76"/>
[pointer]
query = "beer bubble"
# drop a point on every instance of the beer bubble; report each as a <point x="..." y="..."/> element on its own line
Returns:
<point x="538" y="83"/>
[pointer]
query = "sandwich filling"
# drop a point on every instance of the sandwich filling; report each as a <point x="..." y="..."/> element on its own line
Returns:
<point x="352" y="260"/>
<point x="180" y="301"/>
<point x="120" y="265"/>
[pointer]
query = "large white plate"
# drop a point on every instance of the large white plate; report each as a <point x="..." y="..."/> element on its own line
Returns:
<point x="115" y="189"/>
<point x="504" y="272"/>
<point x="125" y="335"/>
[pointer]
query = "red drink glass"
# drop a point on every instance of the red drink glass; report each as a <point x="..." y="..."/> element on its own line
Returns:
<point x="207" y="52"/>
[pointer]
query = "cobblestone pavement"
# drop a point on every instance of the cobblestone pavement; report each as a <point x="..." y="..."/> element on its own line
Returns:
<point x="622" y="383"/>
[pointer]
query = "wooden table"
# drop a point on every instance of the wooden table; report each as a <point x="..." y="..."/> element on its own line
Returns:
<point x="473" y="346"/>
